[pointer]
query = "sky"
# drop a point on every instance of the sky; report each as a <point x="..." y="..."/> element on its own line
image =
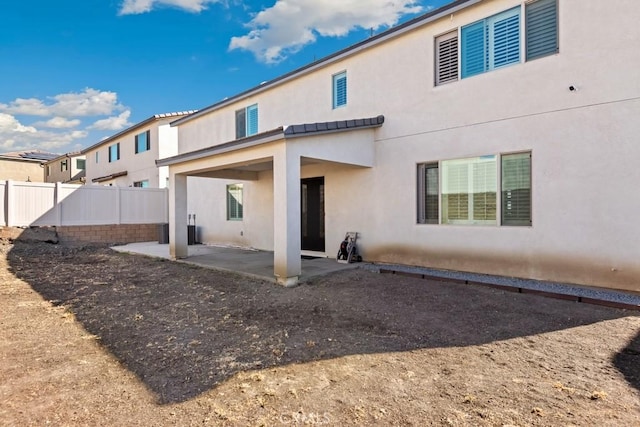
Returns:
<point x="74" y="72"/>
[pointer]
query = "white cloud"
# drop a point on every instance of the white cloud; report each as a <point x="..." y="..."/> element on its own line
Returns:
<point x="134" y="7"/>
<point x="289" y="25"/>
<point x="16" y="136"/>
<point x="90" y="102"/>
<point x="59" y="123"/>
<point x="113" y="123"/>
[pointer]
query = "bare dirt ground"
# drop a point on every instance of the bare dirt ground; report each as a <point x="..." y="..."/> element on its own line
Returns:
<point x="92" y="337"/>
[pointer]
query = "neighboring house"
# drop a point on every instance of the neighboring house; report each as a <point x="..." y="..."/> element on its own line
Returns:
<point x="493" y="136"/>
<point x="24" y="165"/>
<point x="68" y="168"/>
<point x="127" y="159"/>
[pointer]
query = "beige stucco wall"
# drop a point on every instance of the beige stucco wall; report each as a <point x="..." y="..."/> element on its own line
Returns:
<point x="583" y="144"/>
<point x="17" y="170"/>
<point x="140" y="166"/>
<point x="55" y="174"/>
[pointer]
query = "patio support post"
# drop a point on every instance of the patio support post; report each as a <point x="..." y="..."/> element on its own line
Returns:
<point x="286" y="216"/>
<point x="178" y="216"/>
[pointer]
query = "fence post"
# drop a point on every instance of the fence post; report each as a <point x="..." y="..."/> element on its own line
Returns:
<point x="56" y="203"/>
<point x="118" y="205"/>
<point x="10" y="204"/>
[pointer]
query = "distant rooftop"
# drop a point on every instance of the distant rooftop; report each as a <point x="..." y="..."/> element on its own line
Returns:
<point x="29" y="155"/>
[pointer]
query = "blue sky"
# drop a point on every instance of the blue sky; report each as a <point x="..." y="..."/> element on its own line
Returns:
<point x="77" y="71"/>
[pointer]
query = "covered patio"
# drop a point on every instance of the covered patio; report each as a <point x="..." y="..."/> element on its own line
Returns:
<point x="283" y="152"/>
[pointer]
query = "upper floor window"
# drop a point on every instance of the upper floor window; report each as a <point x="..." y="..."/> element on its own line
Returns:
<point x="80" y="164"/>
<point x="64" y="166"/>
<point x="143" y="142"/>
<point x="339" y="83"/>
<point x="247" y="121"/>
<point x="497" y="41"/>
<point x="447" y="58"/>
<point x="48" y="170"/>
<point x="114" y="152"/>
<point x="491" y="43"/>
<point x="97" y="156"/>
<point x="541" y="21"/>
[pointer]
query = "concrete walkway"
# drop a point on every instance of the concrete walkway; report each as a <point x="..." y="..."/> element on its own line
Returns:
<point x="253" y="263"/>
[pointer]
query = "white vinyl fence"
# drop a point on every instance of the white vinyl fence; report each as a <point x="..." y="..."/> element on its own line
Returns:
<point x="48" y="204"/>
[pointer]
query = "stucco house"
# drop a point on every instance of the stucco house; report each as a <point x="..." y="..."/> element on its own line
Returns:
<point x="489" y="136"/>
<point x="68" y="168"/>
<point x="127" y="159"/>
<point x="24" y="165"/>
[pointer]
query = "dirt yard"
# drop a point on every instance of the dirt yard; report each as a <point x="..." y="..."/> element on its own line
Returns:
<point x="92" y="337"/>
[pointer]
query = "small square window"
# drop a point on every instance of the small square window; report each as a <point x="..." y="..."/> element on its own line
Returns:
<point x="339" y="89"/>
<point x="80" y="164"/>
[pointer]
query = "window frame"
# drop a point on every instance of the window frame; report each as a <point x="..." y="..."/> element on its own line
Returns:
<point x="141" y="184"/>
<point x="500" y="199"/>
<point x="528" y="9"/>
<point x="247" y="121"/>
<point x="64" y="165"/>
<point x="339" y="99"/>
<point x="475" y="60"/>
<point x="442" y="39"/>
<point x="504" y="199"/>
<point x="147" y="145"/>
<point x="84" y="164"/>
<point x="235" y="212"/>
<point x="117" y="152"/>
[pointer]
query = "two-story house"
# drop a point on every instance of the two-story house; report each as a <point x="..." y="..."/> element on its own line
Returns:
<point x="24" y="165"/>
<point x="68" y="168"/>
<point x="127" y="159"/>
<point x="490" y="136"/>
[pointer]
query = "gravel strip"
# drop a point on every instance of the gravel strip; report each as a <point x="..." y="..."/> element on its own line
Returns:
<point x="530" y="284"/>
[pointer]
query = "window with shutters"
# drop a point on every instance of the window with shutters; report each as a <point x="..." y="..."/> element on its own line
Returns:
<point x="465" y="191"/>
<point x="541" y="23"/>
<point x="491" y="43"/>
<point x="447" y="58"/>
<point x="234" y="202"/>
<point x="428" y="193"/>
<point x="516" y="189"/>
<point x="339" y="89"/>
<point x="247" y="121"/>
<point x="469" y="190"/>
<point x="114" y="152"/>
<point x="143" y="142"/>
<point x="64" y="166"/>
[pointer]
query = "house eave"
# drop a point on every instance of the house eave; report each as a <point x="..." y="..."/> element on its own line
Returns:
<point x="281" y="133"/>
<point x="383" y="37"/>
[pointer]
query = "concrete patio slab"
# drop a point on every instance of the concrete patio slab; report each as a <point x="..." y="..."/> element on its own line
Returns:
<point x="253" y="263"/>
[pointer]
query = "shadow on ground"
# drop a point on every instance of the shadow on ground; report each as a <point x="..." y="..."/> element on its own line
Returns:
<point x="182" y="329"/>
<point x="628" y="362"/>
